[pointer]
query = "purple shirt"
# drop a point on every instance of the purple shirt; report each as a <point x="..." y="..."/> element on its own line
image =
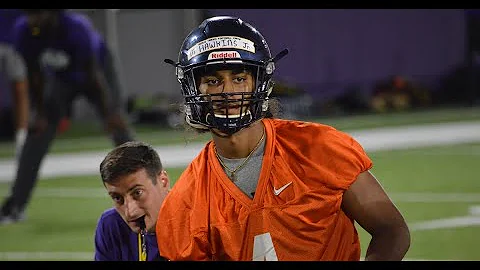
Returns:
<point x="64" y="55"/>
<point x="100" y="48"/>
<point x="7" y="20"/>
<point x="115" y="241"/>
<point x="8" y="71"/>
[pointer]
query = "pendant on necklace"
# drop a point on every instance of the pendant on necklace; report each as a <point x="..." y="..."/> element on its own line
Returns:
<point x="232" y="176"/>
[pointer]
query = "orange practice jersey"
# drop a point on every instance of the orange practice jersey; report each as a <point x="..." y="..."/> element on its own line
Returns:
<point x="296" y="211"/>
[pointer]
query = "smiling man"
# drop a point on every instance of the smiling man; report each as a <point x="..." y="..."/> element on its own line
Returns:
<point x="133" y="176"/>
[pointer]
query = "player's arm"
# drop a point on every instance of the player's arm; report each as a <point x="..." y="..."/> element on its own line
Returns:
<point x="104" y="249"/>
<point x="87" y="50"/>
<point x="109" y="62"/>
<point x="34" y="75"/>
<point x="16" y="71"/>
<point x="368" y="204"/>
<point x="175" y="239"/>
<point x="98" y="82"/>
<point x="36" y="86"/>
<point x="18" y="76"/>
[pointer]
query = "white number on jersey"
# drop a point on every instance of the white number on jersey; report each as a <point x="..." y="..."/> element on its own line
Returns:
<point x="263" y="249"/>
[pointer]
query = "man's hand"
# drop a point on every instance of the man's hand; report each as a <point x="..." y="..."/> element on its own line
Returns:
<point x="115" y="122"/>
<point x="39" y="125"/>
<point x="63" y="125"/>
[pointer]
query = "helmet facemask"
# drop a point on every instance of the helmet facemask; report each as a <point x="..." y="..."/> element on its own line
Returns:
<point x="225" y="43"/>
<point x="214" y="110"/>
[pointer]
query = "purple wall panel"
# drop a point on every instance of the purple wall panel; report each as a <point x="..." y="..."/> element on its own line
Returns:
<point x="331" y="49"/>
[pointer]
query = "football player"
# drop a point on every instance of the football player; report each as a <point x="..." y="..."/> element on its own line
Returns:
<point x="60" y="49"/>
<point x="265" y="188"/>
<point x="13" y="82"/>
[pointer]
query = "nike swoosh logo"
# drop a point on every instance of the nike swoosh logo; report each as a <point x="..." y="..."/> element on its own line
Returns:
<point x="278" y="191"/>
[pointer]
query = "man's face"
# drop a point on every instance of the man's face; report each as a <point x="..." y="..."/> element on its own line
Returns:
<point x="227" y="81"/>
<point x="135" y="197"/>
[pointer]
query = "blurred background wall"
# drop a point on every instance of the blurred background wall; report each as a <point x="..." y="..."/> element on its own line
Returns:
<point x="143" y="38"/>
<point x="335" y="55"/>
<point x="331" y="49"/>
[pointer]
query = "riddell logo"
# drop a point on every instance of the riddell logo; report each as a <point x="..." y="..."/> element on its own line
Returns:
<point x="221" y="55"/>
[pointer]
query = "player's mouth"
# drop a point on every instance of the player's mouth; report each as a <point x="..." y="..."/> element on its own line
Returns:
<point x="230" y="109"/>
<point x="140" y="222"/>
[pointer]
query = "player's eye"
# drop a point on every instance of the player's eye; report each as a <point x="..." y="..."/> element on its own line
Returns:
<point x="211" y="81"/>
<point x="137" y="193"/>
<point x="240" y="79"/>
<point x="117" y="199"/>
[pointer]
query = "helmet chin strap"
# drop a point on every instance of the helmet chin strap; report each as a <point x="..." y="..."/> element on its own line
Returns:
<point x="223" y="123"/>
<point x="195" y="125"/>
<point x="213" y="130"/>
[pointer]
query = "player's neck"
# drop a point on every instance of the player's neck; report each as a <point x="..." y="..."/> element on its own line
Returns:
<point x="240" y="144"/>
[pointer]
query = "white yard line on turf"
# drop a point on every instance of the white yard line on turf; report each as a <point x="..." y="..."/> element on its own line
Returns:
<point x="56" y="165"/>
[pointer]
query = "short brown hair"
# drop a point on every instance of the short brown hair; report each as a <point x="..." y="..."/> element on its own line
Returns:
<point x="128" y="158"/>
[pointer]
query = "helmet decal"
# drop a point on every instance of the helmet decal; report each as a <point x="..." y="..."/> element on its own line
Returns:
<point x="223" y="54"/>
<point x="224" y="42"/>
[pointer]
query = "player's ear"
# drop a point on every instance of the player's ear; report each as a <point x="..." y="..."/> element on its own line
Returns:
<point x="164" y="180"/>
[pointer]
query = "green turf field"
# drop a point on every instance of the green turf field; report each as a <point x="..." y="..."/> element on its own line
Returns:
<point x="426" y="184"/>
<point x="89" y="137"/>
<point x="433" y="187"/>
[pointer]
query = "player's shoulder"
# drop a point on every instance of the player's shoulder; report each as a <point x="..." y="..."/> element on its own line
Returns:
<point x="200" y="161"/>
<point x="76" y="19"/>
<point x="187" y="179"/>
<point x="302" y="127"/>
<point x="20" y="23"/>
<point x="110" y="216"/>
<point x="192" y="177"/>
<point x="298" y="131"/>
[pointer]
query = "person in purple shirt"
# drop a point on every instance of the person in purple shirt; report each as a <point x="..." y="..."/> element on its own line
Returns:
<point x="134" y="178"/>
<point x="110" y="64"/>
<point x="472" y="22"/>
<point x="59" y="49"/>
<point x="7" y="20"/>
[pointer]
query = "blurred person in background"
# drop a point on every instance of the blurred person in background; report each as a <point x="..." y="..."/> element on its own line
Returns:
<point x="60" y="49"/>
<point x="134" y="178"/>
<point x="14" y="100"/>
<point x="472" y="17"/>
<point x="109" y="62"/>
<point x="266" y="188"/>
